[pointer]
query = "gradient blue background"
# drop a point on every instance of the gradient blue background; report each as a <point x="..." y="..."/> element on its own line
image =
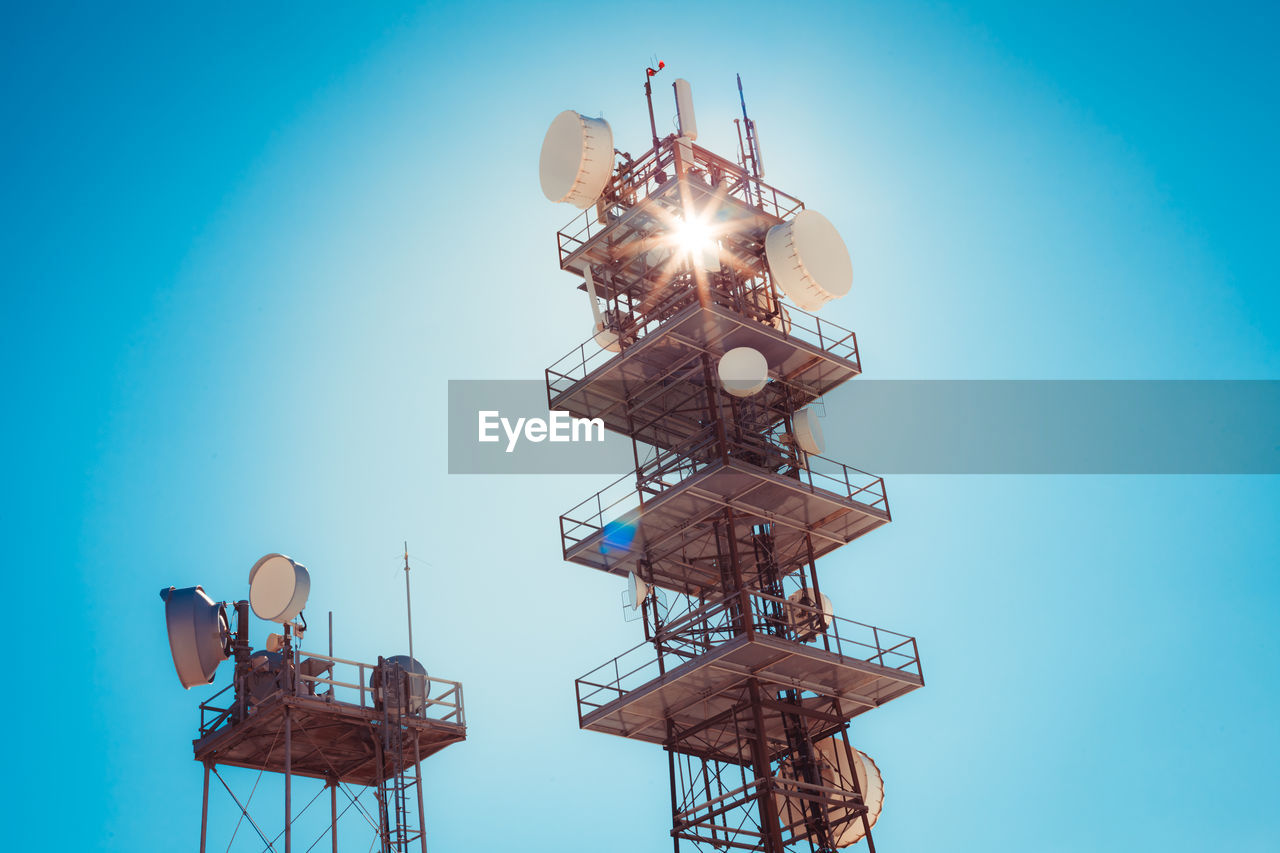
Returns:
<point x="245" y="247"/>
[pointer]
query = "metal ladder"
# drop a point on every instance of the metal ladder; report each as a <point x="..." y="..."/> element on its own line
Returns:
<point x="398" y="833"/>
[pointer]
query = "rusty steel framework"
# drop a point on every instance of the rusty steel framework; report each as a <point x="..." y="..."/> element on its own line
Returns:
<point x="354" y="726"/>
<point x="740" y="682"/>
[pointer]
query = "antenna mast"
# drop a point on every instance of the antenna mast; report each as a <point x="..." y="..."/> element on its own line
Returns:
<point x="408" y="599"/>
<point x="648" y="96"/>
<point x="751" y="150"/>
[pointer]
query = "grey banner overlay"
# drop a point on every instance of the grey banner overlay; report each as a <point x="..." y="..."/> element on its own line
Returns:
<point x="947" y="427"/>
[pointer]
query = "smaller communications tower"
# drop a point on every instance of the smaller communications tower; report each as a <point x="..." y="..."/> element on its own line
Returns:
<point x="701" y="279"/>
<point x="355" y="727"/>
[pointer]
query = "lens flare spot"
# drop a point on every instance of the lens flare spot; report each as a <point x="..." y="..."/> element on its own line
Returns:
<point x="693" y="236"/>
<point x="618" y="536"/>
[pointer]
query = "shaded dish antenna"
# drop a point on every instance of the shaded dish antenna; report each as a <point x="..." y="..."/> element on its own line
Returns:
<point x="576" y="160"/>
<point x="199" y="633"/>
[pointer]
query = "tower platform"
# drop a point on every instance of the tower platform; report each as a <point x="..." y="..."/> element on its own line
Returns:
<point x="654" y="389"/>
<point x="676" y="532"/>
<point x="693" y="703"/>
<point x="330" y="739"/>
<point x="645" y="198"/>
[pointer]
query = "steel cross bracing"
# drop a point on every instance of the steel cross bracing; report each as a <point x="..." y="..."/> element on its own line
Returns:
<point x="329" y="719"/>
<point x="737" y="679"/>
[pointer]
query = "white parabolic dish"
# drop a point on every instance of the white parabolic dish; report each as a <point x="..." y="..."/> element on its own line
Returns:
<point x="805" y="618"/>
<point x="808" y="431"/>
<point x="577" y="159"/>
<point x="743" y="371"/>
<point x="637" y="591"/>
<point x="834" y="763"/>
<point x="278" y="588"/>
<point x="809" y="260"/>
<point x="607" y="339"/>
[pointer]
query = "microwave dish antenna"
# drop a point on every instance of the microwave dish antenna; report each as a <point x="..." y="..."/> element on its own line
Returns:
<point x="837" y="772"/>
<point x="392" y="699"/>
<point x="743" y="371"/>
<point x="809" y="260"/>
<point x="807" y="431"/>
<point x="278" y="588"/>
<point x="809" y="613"/>
<point x="577" y="159"/>
<point x="637" y="591"/>
<point x="199" y="633"/>
<point x="262" y="677"/>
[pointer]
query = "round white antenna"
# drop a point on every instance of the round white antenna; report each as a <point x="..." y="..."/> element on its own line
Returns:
<point x="577" y="159"/>
<point x="607" y="339"/>
<point x="199" y="634"/>
<point x="870" y="783"/>
<point x="278" y="588"/>
<point x="637" y="591"/>
<point x="836" y="772"/>
<point x="808" y="623"/>
<point x="743" y="371"/>
<point x="809" y="260"/>
<point x="807" y="431"/>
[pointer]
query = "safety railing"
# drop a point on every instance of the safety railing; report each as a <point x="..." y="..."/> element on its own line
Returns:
<point x="716" y="622"/>
<point x="575" y="366"/>
<point x="343" y="682"/>
<point x="654" y="173"/>
<point x="440" y="698"/>
<point x="815" y="474"/>
<point x="584" y="359"/>
<point x="216" y="710"/>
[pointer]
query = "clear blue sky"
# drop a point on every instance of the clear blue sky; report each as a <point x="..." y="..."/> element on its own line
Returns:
<point x="245" y="248"/>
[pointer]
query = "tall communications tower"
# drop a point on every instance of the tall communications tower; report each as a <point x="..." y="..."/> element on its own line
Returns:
<point x="356" y="727"/>
<point x="700" y="278"/>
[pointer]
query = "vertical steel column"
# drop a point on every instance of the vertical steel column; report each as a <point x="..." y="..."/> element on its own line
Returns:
<point x="731" y="533"/>
<point x="288" y="779"/>
<point x="422" y="814"/>
<point x="289" y="685"/>
<point x="817" y="591"/>
<point x="204" y="809"/>
<point x="384" y="826"/>
<point x="771" y="832"/>
<point x="713" y="407"/>
<point x="242" y="654"/>
<point x="671" y="771"/>
<point x="333" y="813"/>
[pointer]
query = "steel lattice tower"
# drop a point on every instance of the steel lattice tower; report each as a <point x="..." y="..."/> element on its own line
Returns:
<point x="745" y="676"/>
<point x="355" y="727"/>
